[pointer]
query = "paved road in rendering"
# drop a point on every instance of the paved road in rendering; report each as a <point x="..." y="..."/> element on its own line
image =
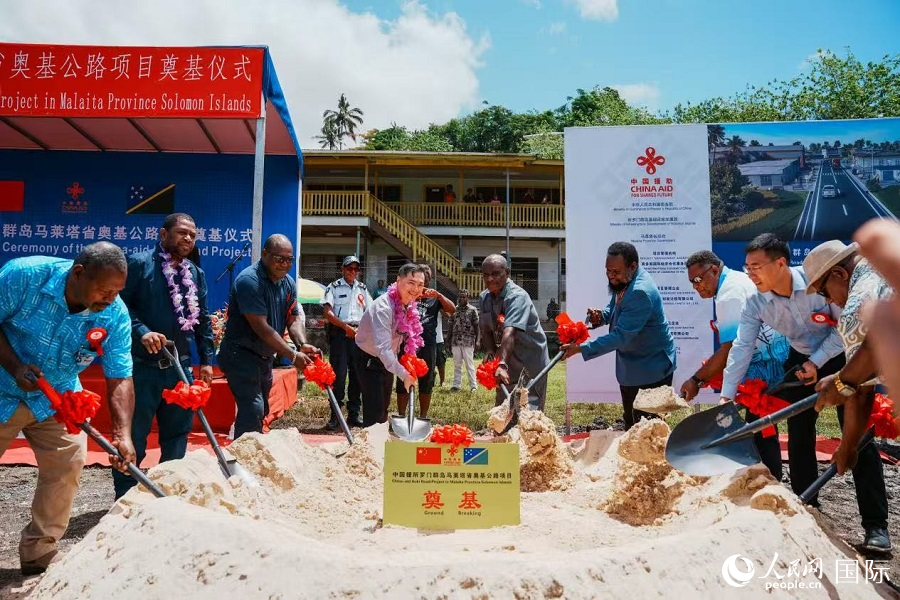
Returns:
<point x="837" y="218"/>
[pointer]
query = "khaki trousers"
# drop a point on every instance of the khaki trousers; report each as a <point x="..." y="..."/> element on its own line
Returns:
<point x="60" y="457"/>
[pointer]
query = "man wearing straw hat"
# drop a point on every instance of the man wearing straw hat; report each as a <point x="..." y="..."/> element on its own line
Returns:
<point x="839" y="274"/>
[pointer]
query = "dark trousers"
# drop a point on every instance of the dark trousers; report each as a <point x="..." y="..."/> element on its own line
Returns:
<point x="250" y="381"/>
<point x="868" y="474"/>
<point x="374" y="382"/>
<point x="342" y="350"/>
<point x="630" y="392"/>
<point x="174" y="423"/>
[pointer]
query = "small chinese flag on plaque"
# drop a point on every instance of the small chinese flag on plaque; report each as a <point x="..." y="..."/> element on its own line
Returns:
<point x="12" y="196"/>
<point x="428" y="456"/>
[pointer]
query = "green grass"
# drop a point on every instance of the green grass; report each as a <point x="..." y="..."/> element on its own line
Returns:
<point x="890" y="197"/>
<point x="782" y="221"/>
<point x="312" y="412"/>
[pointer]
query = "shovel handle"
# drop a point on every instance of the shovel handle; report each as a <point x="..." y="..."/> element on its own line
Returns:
<point x="47" y="388"/>
<point x="217" y="449"/>
<point x="545" y="370"/>
<point x="411" y="409"/>
<point x="776" y="417"/>
<point x="337" y="411"/>
<point x="810" y="493"/>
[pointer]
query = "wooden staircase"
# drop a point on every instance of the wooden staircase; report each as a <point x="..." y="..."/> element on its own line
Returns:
<point x="397" y="231"/>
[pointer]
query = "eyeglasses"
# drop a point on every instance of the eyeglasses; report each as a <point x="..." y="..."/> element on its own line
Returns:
<point x="282" y="260"/>
<point x="821" y="289"/>
<point x="699" y="278"/>
<point x="756" y="268"/>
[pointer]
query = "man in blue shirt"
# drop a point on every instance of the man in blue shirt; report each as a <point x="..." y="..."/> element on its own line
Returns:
<point x="807" y="321"/>
<point x="47" y="307"/>
<point x="166" y="297"/>
<point x="263" y="302"/>
<point x="638" y="330"/>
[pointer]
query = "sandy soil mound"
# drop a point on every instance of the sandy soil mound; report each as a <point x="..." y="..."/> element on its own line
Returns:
<point x="660" y="401"/>
<point x="312" y="530"/>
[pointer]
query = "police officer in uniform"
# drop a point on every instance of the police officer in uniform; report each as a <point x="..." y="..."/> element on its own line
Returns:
<point x="345" y="301"/>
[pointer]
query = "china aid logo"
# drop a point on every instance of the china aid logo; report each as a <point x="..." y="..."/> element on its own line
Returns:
<point x="650" y="160"/>
<point x="734" y="576"/>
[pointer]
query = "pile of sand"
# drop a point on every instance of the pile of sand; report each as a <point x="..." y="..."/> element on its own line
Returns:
<point x="312" y="529"/>
<point x="659" y="401"/>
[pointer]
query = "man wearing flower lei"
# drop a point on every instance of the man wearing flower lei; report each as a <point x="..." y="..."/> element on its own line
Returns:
<point x="511" y="330"/>
<point x="166" y="298"/>
<point x="431" y="304"/>
<point x="56" y="317"/>
<point x="839" y="274"/>
<point x="261" y="306"/>
<point x="389" y="325"/>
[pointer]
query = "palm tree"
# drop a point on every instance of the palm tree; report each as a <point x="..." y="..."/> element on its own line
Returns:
<point x="344" y="120"/>
<point x="329" y="138"/>
<point x="715" y="137"/>
<point x="735" y="143"/>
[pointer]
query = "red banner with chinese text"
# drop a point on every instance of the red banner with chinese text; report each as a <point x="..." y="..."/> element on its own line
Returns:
<point x="38" y="80"/>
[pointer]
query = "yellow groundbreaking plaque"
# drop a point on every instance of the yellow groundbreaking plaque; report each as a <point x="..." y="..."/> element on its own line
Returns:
<point x="429" y="487"/>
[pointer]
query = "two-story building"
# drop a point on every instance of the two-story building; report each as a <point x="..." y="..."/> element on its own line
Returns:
<point x="449" y="210"/>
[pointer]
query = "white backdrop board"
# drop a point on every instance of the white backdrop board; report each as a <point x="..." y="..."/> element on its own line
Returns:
<point x="649" y="186"/>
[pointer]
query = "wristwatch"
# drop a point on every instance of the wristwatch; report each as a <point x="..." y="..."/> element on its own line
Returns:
<point x="697" y="380"/>
<point x="843" y="389"/>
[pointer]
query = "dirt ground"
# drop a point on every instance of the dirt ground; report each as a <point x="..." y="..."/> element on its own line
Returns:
<point x="838" y="512"/>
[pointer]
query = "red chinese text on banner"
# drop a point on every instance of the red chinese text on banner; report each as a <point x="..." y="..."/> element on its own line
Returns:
<point x="38" y="80"/>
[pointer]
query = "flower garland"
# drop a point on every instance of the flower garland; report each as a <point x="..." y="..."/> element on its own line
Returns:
<point x="218" y="321"/>
<point x="408" y="322"/>
<point x="192" y="320"/>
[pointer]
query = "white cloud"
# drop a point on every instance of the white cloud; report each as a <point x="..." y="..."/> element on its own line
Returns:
<point x="599" y="10"/>
<point x="556" y="28"/>
<point x="639" y="94"/>
<point x="417" y="69"/>
<point x="532" y="3"/>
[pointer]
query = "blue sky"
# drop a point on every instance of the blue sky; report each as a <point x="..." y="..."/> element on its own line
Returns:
<point x="543" y="50"/>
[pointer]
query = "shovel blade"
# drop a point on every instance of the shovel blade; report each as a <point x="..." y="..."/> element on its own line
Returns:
<point x="235" y="468"/>
<point x="684" y="449"/>
<point x="418" y="432"/>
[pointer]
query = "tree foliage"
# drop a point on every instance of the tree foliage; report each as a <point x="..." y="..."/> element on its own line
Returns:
<point x="340" y="123"/>
<point x="832" y="87"/>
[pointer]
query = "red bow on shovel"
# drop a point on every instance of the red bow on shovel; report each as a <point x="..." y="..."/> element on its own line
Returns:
<point x="73" y="409"/>
<point x="322" y="374"/>
<point x="191" y="397"/>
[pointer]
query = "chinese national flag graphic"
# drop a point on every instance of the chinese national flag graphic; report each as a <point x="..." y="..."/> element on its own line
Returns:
<point x="428" y="456"/>
<point x="12" y="196"/>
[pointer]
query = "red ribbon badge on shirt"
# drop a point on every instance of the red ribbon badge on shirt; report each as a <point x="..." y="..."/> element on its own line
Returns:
<point x="95" y="338"/>
<point x="823" y="319"/>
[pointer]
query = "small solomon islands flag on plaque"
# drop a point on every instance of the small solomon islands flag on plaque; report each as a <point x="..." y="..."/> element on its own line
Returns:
<point x="475" y="456"/>
<point x="150" y="199"/>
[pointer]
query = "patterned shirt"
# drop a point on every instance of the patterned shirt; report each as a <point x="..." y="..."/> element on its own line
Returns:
<point x="35" y="318"/>
<point x="463" y="326"/>
<point x="866" y="285"/>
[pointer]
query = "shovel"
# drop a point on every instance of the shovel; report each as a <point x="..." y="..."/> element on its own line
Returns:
<point x="229" y="467"/>
<point x="409" y="428"/>
<point x="95" y="435"/>
<point x="513" y="398"/>
<point x="337" y="411"/>
<point x="807" y="496"/>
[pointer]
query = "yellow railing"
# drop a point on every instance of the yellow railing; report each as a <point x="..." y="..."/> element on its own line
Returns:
<point x="471" y="281"/>
<point x="546" y="216"/>
<point x="423" y="248"/>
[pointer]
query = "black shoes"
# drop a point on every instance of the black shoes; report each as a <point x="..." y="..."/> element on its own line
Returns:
<point x="877" y="540"/>
<point x="333" y="425"/>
